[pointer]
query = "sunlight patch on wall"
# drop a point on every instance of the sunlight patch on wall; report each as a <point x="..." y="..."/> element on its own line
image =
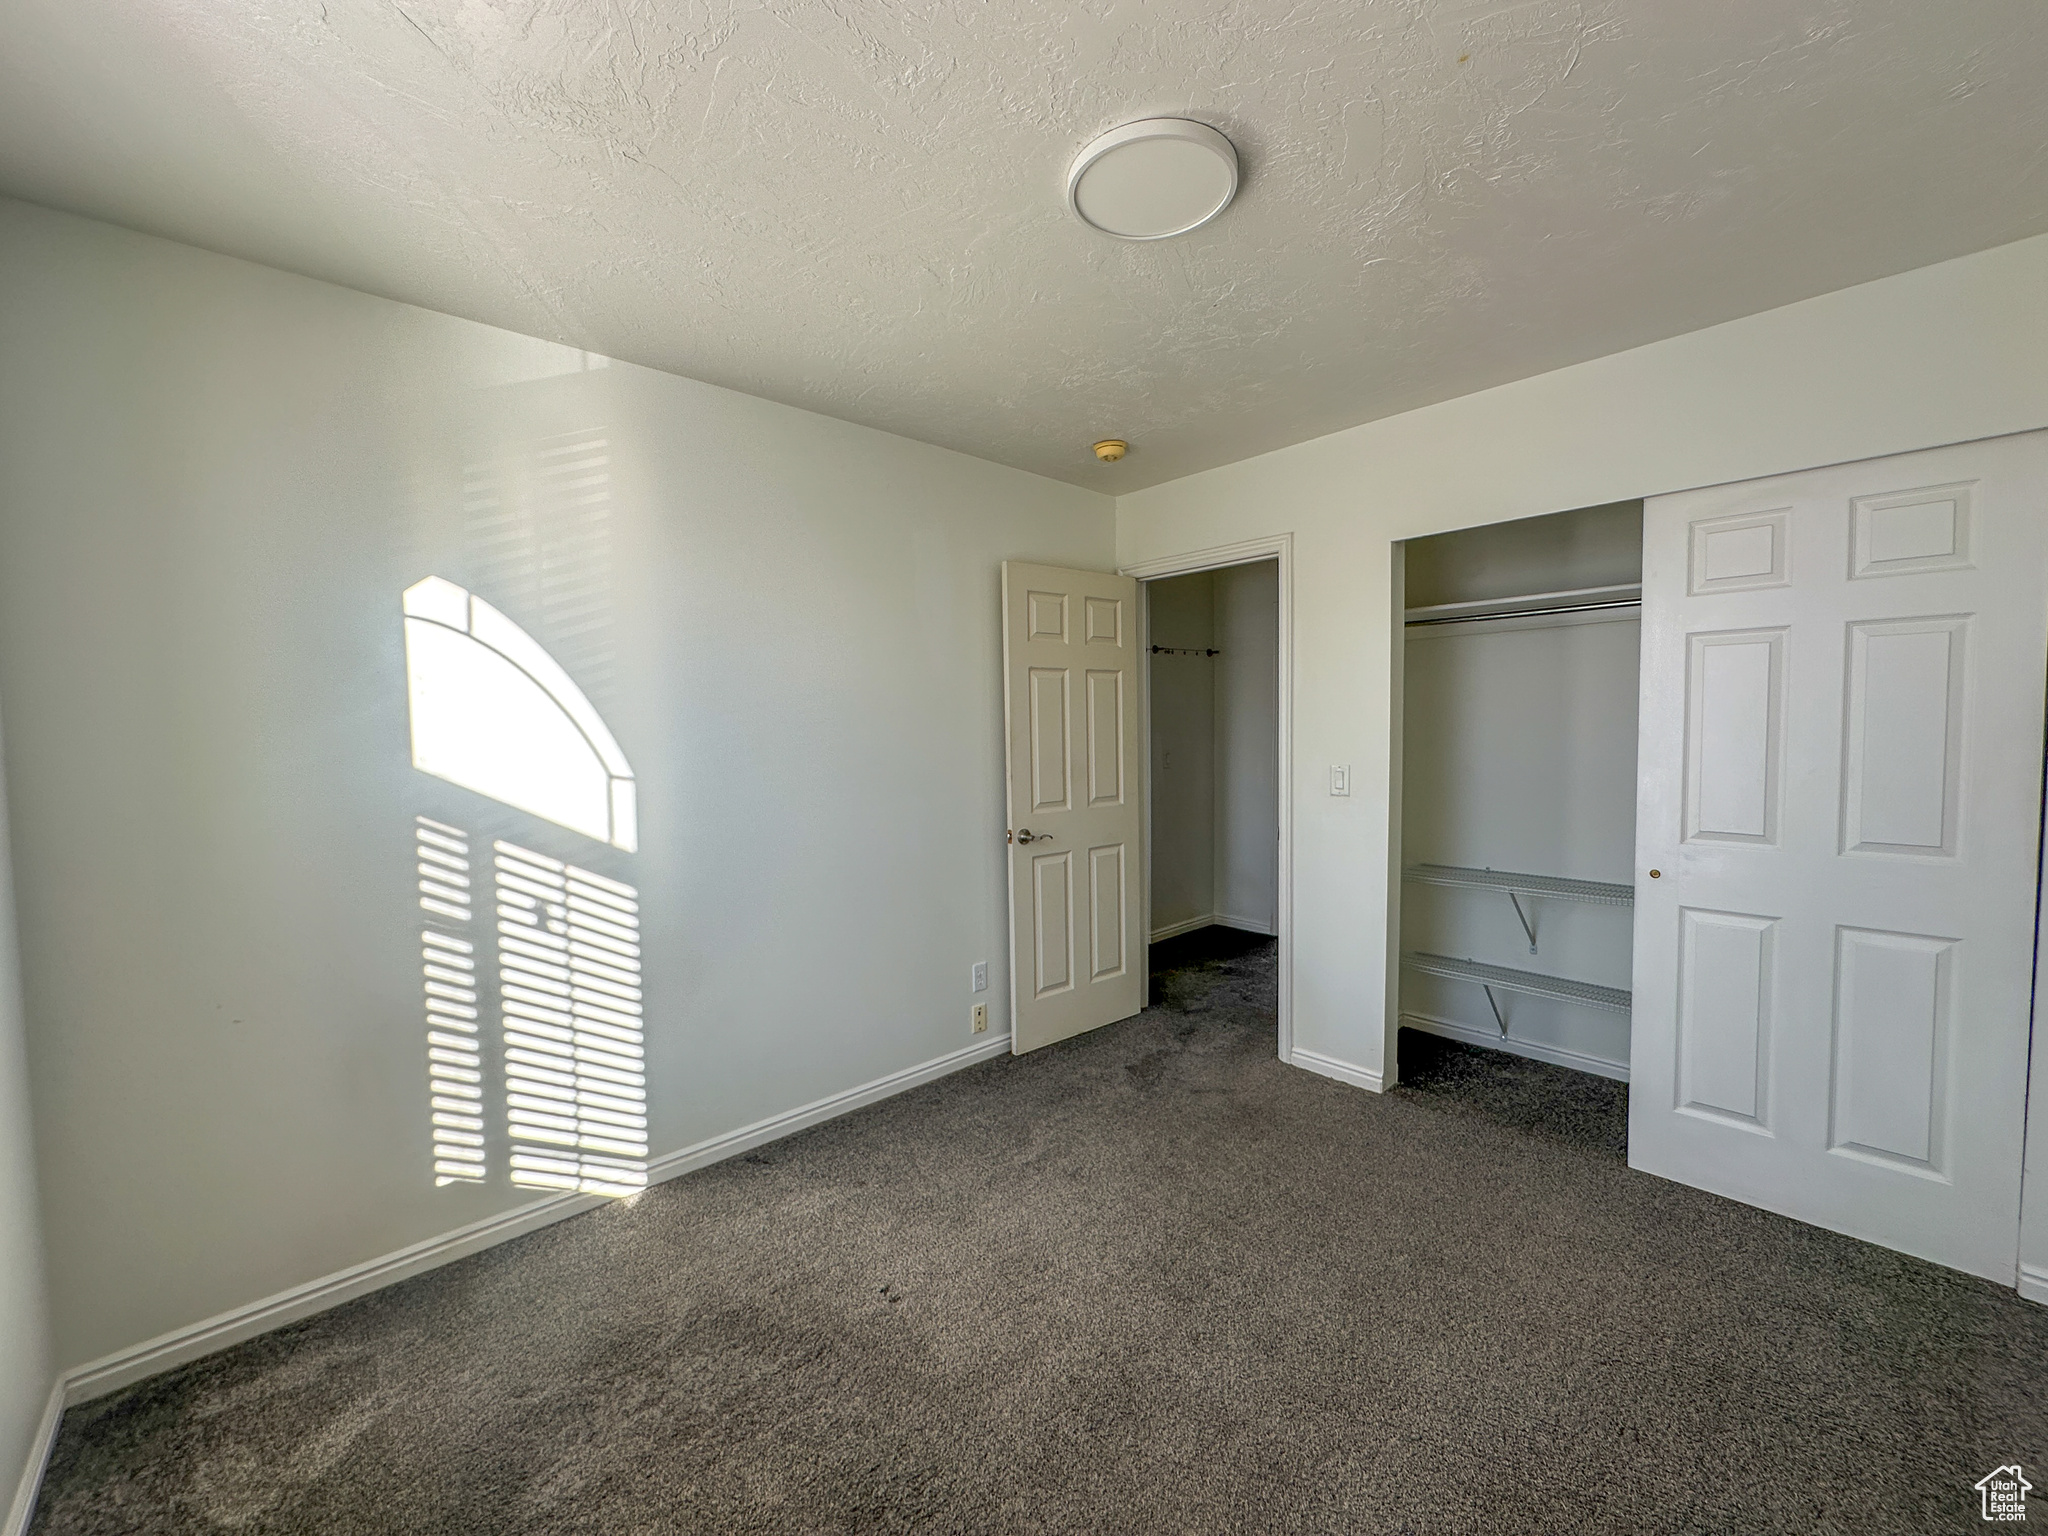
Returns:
<point x="443" y="853"/>
<point x="454" y="1052"/>
<point x="570" y="998"/>
<point x="537" y="523"/>
<point x="493" y="712"/>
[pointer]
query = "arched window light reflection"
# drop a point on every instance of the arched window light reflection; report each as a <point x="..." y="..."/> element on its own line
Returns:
<point x="454" y="1052"/>
<point x="493" y="712"/>
<point x="569" y="990"/>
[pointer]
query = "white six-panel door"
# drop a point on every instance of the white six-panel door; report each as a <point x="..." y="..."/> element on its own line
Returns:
<point x="1070" y="701"/>
<point x="1838" y="811"/>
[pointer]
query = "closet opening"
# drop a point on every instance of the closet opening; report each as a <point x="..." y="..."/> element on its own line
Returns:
<point x="1213" y="706"/>
<point x="1518" y="771"/>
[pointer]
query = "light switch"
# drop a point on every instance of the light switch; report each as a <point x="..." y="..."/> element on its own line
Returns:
<point x="1340" y="778"/>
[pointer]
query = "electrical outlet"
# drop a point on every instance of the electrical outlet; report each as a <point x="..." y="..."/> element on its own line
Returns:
<point x="981" y="1018"/>
<point x="980" y="976"/>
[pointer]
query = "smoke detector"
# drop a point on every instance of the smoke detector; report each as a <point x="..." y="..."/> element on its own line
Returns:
<point x="1110" y="449"/>
<point x="1153" y="179"/>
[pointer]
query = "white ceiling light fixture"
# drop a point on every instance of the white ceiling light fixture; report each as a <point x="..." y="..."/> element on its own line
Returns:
<point x="1152" y="179"/>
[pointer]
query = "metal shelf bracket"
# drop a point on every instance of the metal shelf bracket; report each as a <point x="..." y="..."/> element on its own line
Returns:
<point x="1528" y="926"/>
<point x="1494" y="1003"/>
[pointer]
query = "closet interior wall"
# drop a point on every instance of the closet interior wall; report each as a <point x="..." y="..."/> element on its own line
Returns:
<point x="1214" y="691"/>
<point x="1519" y="754"/>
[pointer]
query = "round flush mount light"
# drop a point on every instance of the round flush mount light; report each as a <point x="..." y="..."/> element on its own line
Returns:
<point x="1148" y="180"/>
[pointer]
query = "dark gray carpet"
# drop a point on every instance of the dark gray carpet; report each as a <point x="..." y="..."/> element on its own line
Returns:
<point x="1146" y="1281"/>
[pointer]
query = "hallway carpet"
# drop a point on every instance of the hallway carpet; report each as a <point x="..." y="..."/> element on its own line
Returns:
<point x="1150" y="1280"/>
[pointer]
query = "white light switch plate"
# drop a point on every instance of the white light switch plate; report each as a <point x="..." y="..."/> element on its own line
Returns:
<point x="1340" y="778"/>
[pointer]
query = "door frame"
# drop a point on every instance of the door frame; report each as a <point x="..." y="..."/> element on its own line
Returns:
<point x="2033" y="1245"/>
<point x="1279" y="548"/>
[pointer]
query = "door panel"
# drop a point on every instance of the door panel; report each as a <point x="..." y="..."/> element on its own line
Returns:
<point x="1049" y="690"/>
<point x="1109" y="900"/>
<point x="1070" y="694"/>
<point x="1105" y="738"/>
<point x="1732" y="554"/>
<point x="1925" y="530"/>
<point x="1904" y="737"/>
<point x="1052" y="884"/>
<point x="1727" y="975"/>
<point x="1840" y="779"/>
<point x="1105" y="620"/>
<point x="1048" y="616"/>
<point x="1734" y="737"/>
<point x="1891" y="1013"/>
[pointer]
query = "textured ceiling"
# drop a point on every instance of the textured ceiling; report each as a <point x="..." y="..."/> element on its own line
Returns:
<point x="857" y="207"/>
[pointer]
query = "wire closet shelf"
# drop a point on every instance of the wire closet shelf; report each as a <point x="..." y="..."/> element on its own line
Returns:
<point x="1506" y="978"/>
<point x="1601" y="892"/>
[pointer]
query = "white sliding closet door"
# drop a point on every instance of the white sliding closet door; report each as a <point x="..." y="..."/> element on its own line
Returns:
<point x="1838" y="809"/>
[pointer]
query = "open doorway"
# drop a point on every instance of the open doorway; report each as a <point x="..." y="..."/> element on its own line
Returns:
<point x="1519" y="730"/>
<point x="1214" y="683"/>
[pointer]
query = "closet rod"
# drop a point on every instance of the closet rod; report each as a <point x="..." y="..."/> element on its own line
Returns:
<point x="1525" y="613"/>
<point x="1523" y="605"/>
<point x="1182" y="650"/>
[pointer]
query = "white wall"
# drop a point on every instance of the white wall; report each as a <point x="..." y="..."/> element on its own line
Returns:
<point x="215" y="480"/>
<point x="1247" y="748"/>
<point x="27" y="1361"/>
<point x="1943" y="354"/>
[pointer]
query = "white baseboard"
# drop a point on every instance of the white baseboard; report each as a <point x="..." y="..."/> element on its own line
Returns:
<point x="1247" y="924"/>
<point x="1480" y="1035"/>
<point x="1342" y="1071"/>
<point x="2033" y="1284"/>
<point x="118" y="1370"/>
<point x="1217" y="920"/>
<point x="38" y="1458"/>
<point x="1189" y="925"/>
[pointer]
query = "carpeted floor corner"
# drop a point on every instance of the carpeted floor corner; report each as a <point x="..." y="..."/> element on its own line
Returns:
<point x="1150" y="1280"/>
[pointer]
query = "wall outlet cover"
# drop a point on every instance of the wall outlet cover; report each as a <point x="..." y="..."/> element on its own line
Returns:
<point x="980" y="976"/>
<point x="981" y="1018"/>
